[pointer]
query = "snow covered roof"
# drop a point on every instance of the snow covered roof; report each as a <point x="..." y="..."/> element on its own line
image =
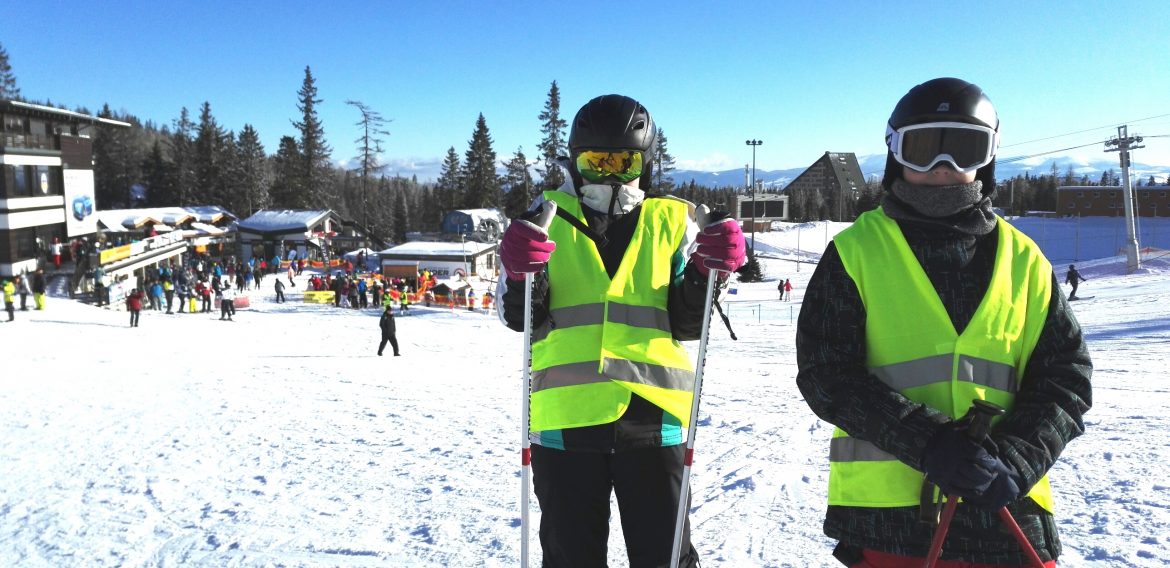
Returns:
<point x="478" y="215"/>
<point x="283" y="220"/>
<point x="428" y="248"/>
<point x="353" y="253"/>
<point x="121" y="220"/>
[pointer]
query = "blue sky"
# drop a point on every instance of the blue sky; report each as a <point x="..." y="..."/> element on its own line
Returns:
<point x="803" y="77"/>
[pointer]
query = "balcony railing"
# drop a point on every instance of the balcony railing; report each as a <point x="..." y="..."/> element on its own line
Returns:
<point x="32" y="141"/>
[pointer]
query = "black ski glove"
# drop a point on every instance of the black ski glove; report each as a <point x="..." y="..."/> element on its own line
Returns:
<point x="961" y="466"/>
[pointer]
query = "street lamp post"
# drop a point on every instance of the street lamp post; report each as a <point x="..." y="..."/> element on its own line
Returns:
<point x="753" y="143"/>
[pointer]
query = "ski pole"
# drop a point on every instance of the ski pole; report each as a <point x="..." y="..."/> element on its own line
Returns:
<point x="982" y="412"/>
<point x="680" y="519"/>
<point x="543" y="221"/>
<point x="525" y="444"/>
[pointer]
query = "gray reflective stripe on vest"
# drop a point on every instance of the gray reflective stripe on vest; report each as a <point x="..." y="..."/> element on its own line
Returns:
<point x="573" y="374"/>
<point x="639" y="316"/>
<point x="847" y="449"/>
<point x="567" y="375"/>
<point x="937" y="369"/>
<point x="593" y="314"/>
<point x="988" y="373"/>
<point x="573" y="316"/>
<point x="648" y="374"/>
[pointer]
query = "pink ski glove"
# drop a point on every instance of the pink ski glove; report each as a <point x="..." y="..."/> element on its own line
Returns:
<point x="720" y="245"/>
<point x="525" y="247"/>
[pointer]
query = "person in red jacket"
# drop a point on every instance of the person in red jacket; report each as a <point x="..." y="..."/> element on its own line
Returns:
<point x="134" y="304"/>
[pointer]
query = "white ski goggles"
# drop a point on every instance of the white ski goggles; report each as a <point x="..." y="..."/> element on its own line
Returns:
<point x="921" y="147"/>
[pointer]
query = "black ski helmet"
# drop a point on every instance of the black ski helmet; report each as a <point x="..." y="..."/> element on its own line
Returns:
<point x="613" y="122"/>
<point x="945" y="99"/>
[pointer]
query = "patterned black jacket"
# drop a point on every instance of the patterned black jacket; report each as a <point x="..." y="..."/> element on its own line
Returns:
<point x="1054" y="394"/>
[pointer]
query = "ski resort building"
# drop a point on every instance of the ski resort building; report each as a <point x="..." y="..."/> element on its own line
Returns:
<point x="1109" y="201"/>
<point x="827" y="190"/>
<point x="480" y="224"/>
<point x="132" y="240"/>
<point x="443" y="260"/>
<point x="46" y="183"/>
<point x="291" y="234"/>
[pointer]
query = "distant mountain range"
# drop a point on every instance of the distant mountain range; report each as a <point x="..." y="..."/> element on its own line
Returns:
<point x="873" y="165"/>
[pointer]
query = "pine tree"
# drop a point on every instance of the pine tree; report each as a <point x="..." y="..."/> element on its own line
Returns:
<point x="663" y="165"/>
<point x="209" y="139"/>
<point x="553" y="143"/>
<point x="182" y="160"/>
<point x="315" y="172"/>
<point x="401" y="216"/>
<point x="369" y="147"/>
<point x="254" y="172"/>
<point x="228" y="191"/>
<point x="518" y="184"/>
<point x="286" y="176"/>
<point x="479" y="170"/>
<point x="449" y="187"/>
<point x="751" y="271"/>
<point x="158" y="173"/>
<point x="8" y="88"/>
<point x="117" y="161"/>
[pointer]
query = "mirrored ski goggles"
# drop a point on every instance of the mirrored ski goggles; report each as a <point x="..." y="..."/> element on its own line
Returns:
<point x="597" y="165"/>
<point x="921" y="147"/>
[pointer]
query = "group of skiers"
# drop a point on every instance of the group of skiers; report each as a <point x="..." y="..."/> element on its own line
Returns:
<point x="617" y="283"/>
<point x="24" y="285"/>
<point x="785" y="289"/>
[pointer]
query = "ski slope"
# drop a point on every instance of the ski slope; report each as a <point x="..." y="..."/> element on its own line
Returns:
<point x="281" y="439"/>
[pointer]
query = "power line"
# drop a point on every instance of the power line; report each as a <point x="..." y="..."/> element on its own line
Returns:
<point x="1082" y="131"/>
<point x="1019" y="158"/>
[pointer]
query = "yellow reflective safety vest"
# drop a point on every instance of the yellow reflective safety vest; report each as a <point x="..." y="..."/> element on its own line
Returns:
<point x="912" y="346"/>
<point x="608" y="338"/>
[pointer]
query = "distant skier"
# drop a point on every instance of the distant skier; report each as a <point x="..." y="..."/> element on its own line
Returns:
<point x="134" y="304"/>
<point x="787" y="290"/>
<point x="9" y="299"/>
<point x="387" y="325"/>
<point x="1074" y="279"/>
<point x="227" y="307"/>
<point x="279" y="291"/>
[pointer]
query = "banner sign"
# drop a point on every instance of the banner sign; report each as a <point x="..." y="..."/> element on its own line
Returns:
<point x="319" y="297"/>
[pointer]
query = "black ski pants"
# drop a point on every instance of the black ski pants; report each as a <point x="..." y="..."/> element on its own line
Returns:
<point x="574" y="488"/>
<point x="388" y="338"/>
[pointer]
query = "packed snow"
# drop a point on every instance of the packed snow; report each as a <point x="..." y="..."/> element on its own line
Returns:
<point x="282" y="439"/>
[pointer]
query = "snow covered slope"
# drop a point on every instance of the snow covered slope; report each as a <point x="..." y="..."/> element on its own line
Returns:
<point x="281" y="439"/>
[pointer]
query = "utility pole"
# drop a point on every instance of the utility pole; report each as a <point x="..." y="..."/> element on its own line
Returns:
<point x="1123" y="144"/>
<point x="753" y="144"/>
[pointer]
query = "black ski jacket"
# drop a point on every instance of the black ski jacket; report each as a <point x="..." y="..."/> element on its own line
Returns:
<point x="1054" y="394"/>
<point x="387" y="323"/>
<point x="641" y="425"/>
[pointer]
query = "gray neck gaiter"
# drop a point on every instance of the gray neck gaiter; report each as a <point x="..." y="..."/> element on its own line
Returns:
<point x="962" y="207"/>
<point x="938" y="200"/>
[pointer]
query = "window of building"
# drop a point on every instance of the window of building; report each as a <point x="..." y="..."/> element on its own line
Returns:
<point x="1096" y="194"/>
<point x="47" y="180"/>
<point x="1080" y="194"/>
<point x="16" y="181"/>
<point x="13" y="124"/>
<point x="1088" y="205"/>
<point x="1072" y="205"/>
